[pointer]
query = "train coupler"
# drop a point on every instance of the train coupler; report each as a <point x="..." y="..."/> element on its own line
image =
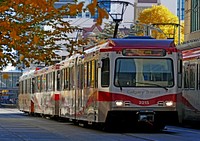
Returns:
<point x="146" y="116"/>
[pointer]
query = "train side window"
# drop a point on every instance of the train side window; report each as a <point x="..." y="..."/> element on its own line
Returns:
<point x="186" y="76"/>
<point x="58" y="80"/>
<point x="71" y="71"/>
<point x="198" y="76"/>
<point x="93" y="78"/>
<point x="33" y="86"/>
<point x="80" y="76"/>
<point x="68" y="79"/>
<point x="21" y="87"/>
<point x="61" y="80"/>
<point x="65" y="79"/>
<point x="192" y="76"/>
<point x="96" y="74"/>
<point x="105" y="72"/>
<point x="89" y="73"/>
<point x="36" y="84"/>
<point x="54" y="86"/>
<point x="25" y="86"/>
<point x="85" y="75"/>
<point x="43" y="83"/>
<point x="49" y="81"/>
<point x="29" y="86"/>
<point x="180" y="64"/>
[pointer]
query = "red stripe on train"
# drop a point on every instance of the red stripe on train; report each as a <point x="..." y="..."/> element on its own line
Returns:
<point x="189" y="105"/>
<point x="106" y="96"/>
<point x="56" y="97"/>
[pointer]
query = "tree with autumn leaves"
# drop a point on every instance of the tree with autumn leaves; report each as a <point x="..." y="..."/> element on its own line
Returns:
<point x="162" y="18"/>
<point x="23" y="38"/>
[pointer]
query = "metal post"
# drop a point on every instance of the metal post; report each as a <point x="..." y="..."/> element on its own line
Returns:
<point x="179" y="27"/>
<point x="116" y="29"/>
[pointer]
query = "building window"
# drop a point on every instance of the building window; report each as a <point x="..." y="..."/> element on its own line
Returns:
<point x="181" y="4"/>
<point x="80" y="15"/>
<point x="195" y="15"/>
<point x="87" y="14"/>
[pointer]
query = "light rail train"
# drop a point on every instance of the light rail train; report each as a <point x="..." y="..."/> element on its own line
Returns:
<point x="191" y="84"/>
<point x="129" y="81"/>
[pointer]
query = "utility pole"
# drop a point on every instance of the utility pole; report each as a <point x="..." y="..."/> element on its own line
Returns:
<point x="179" y="27"/>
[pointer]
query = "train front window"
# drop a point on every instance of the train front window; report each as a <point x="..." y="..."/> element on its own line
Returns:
<point x="133" y="72"/>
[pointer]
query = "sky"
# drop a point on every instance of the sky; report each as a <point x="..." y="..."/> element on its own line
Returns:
<point x="9" y="68"/>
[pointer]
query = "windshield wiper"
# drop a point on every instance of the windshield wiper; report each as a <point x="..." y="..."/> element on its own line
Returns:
<point x="119" y="85"/>
<point x="153" y="85"/>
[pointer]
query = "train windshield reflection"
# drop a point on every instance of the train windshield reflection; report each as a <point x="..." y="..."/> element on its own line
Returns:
<point x="149" y="72"/>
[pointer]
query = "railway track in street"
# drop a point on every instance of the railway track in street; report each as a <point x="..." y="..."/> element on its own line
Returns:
<point x="17" y="126"/>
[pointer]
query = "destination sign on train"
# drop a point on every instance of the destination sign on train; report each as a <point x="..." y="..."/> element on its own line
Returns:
<point x="144" y="52"/>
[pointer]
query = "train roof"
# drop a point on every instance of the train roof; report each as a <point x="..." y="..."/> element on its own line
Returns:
<point x="141" y="42"/>
<point x="27" y="74"/>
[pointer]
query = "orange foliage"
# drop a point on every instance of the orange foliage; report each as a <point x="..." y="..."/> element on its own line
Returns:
<point x="35" y="39"/>
<point x="22" y="32"/>
<point x="74" y="8"/>
<point x="102" y="14"/>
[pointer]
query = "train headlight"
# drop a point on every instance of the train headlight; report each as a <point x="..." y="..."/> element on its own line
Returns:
<point x="119" y="103"/>
<point x="169" y="103"/>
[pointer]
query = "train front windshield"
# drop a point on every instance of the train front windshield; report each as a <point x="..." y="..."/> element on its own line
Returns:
<point x="140" y="72"/>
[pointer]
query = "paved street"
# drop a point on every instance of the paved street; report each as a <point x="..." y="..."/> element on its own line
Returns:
<point x="16" y="126"/>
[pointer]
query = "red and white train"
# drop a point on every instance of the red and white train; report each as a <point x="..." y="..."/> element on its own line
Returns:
<point x="122" y="81"/>
<point x="191" y="83"/>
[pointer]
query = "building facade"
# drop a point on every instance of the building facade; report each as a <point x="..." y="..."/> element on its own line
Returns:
<point x="8" y="86"/>
<point x="181" y="6"/>
<point x="192" y="22"/>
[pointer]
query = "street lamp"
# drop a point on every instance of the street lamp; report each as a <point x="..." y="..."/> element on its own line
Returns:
<point x="117" y="15"/>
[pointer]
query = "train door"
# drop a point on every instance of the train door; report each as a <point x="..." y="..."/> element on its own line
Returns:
<point x="190" y="92"/>
<point x="104" y="105"/>
<point x="32" y="94"/>
<point x="79" y="89"/>
<point x="65" y="94"/>
<point x="193" y="84"/>
<point x="72" y="92"/>
<point x="198" y="76"/>
<point x="57" y="94"/>
<point x="198" y="84"/>
<point x="89" y="94"/>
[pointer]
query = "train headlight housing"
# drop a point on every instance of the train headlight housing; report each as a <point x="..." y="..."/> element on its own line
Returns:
<point x="119" y="103"/>
<point x="169" y="103"/>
